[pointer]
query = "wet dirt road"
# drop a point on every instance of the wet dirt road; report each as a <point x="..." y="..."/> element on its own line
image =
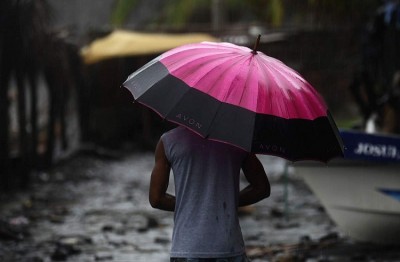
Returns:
<point x="94" y="207"/>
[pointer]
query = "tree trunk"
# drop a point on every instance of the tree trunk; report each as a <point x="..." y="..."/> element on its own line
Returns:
<point x="33" y="118"/>
<point x="83" y="94"/>
<point x="51" y="118"/>
<point x="23" y="141"/>
<point x="62" y="117"/>
<point x="4" y="124"/>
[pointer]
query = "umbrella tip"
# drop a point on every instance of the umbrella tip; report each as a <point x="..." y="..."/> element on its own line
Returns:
<point x="256" y="45"/>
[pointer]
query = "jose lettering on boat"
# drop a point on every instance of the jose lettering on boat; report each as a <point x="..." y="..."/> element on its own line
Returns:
<point x="377" y="150"/>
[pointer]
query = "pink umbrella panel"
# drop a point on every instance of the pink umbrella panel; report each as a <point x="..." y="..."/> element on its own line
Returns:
<point x="227" y="93"/>
<point x="233" y="75"/>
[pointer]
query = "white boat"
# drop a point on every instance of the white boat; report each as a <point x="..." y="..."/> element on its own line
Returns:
<point x="361" y="192"/>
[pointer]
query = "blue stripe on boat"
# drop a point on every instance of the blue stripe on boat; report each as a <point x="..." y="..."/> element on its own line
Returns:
<point x="394" y="193"/>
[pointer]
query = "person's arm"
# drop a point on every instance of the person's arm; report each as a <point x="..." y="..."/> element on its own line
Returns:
<point x="259" y="187"/>
<point x="158" y="196"/>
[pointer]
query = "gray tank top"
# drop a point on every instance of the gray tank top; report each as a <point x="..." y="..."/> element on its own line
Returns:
<point x="206" y="175"/>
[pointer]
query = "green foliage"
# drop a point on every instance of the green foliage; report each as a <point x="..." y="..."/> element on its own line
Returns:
<point x="178" y="13"/>
<point x="270" y="11"/>
<point x="275" y="12"/>
<point x="121" y="11"/>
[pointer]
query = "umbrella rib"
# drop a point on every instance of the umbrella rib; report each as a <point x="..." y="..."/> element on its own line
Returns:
<point x="259" y="91"/>
<point x="292" y="98"/>
<point x="248" y="75"/>
<point x="239" y="61"/>
<point x="282" y="89"/>
<point x="220" y="77"/>
<point x="269" y="78"/>
<point x="219" y="57"/>
<point x="308" y="105"/>
<point x="220" y="101"/>
<point x="190" y="57"/>
<point x="214" y="86"/>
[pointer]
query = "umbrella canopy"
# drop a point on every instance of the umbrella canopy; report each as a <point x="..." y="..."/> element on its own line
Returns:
<point x="122" y="43"/>
<point x="236" y="95"/>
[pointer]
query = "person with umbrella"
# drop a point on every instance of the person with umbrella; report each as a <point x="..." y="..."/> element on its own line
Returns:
<point x="206" y="175"/>
<point x="231" y="103"/>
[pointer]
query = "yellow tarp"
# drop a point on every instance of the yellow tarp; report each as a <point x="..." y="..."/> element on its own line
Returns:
<point x="122" y="43"/>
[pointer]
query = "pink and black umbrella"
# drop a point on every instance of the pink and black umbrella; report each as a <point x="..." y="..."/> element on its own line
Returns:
<point x="239" y="96"/>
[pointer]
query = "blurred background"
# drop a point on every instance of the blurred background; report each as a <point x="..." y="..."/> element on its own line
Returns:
<point x="62" y="64"/>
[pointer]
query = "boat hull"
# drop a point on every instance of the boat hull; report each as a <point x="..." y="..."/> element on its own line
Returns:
<point x="361" y="196"/>
<point x="356" y="201"/>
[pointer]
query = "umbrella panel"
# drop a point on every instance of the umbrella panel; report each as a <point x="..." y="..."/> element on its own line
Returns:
<point x="293" y="139"/>
<point x="200" y="112"/>
<point x="296" y="139"/>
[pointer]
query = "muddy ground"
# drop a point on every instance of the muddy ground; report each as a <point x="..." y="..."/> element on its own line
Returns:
<point x="93" y="207"/>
